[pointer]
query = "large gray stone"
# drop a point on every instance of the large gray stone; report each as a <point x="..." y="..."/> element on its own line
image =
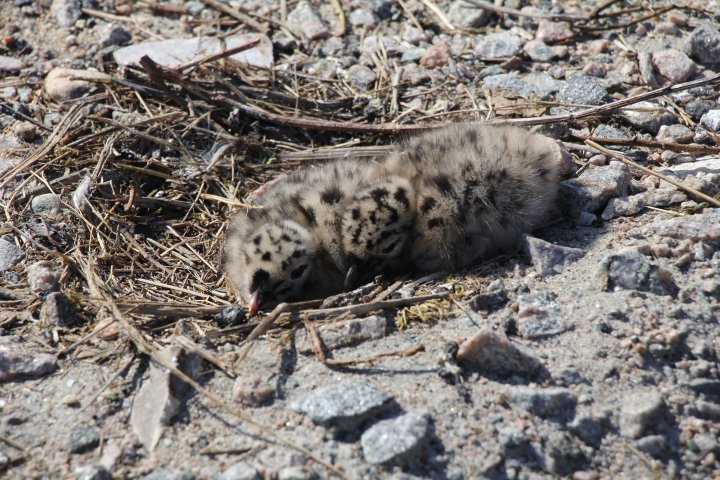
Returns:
<point x="705" y="44"/>
<point x="629" y="269"/>
<point x="177" y="51"/>
<point x="581" y="89"/>
<point x="591" y="191"/>
<point x="345" y="405"/>
<point x="396" y="440"/>
<point x="639" y="411"/>
<point x="545" y="402"/>
<point x="497" y="45"/>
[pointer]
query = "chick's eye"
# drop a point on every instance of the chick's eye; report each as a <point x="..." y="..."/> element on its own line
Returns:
<point x="259" y="278"/>
<point x="390" y="247"/>
<point x="297" y="273"/>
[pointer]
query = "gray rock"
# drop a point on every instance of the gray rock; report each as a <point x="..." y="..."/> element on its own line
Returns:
<point x="64" y="84"/>
<point x="553" y="32"/>
<point x="46" y="204"/>
<point x="361" y="76"/>
<point x="43" y="276"/>
<point x="162" y="474"/>
<point x="701" y="227"/>
<point x="396" y="440"/>
<point x="651" y="120"/>
<point x="591" y="191"/>
<point x="585" y="219"/>
<point x="360" y="17"/>
<point x="497" y="45"/>
<point x="625" y="206"/>
<point x="545" y="402"/>
<point x="10" y="254"/>
<point x="674" y="65"/>
<point x="304" y="22"/>
<point x="94" y="472"/>
<point x="10" y="64"/>
<point x="711" y="119"/>
<point x="491" y="353"/>
<point x="706" y="442"/>
<point x="589" y="429"/>
<point x="540" y="316"/>
<point x="537" y="84"/>
<point x="608" y="131"/>
<point x="343" y="406"/>
<point x="705" y="44"/>
<point x="230" y="316"/>
<point x="706" y="386"/>
<point x="708" y="410"/>
<point x="297" y="473"/>
<point x="464" y="14"/>
<point x="563" y="455"/>
<point x="240" y="471"/>
<point x="639" y="412"/>
<point x="114" y="35"/>
<point x="631" y="270"/>
<point x="58" y="310"/>
<point x="66" y="12"/>
<point x="17" y="363"/>
<point x="174" y="52"/>
<point x="654" y="445"/>
<point x="537" y="50"/>
<point x="344" y="333"/>
<point x="412" y="54"/>
<point x="675" y="134"/>
<point x="647" y="71"/>
<point x="581" y="89"/>
<point x="488" y="301"/>
<point x="26" y="131"/>
<point x="549" y="259"/>
<point x="697" y="108"/>
<point x="83" y="439"/>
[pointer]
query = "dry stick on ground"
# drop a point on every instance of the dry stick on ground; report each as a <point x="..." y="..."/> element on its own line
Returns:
<point x="639" y="142"/>
<point x="397" y="353"/>
<point x="218" y="56"/>
<point x="237" y="14"/>
<point x="286" y="309"/>
<point x="680" y="185"/>
<point x="318" y="124"/>
<point x="107" y="384"/>
<point x="145" y="347"/>
<point x="69" y="120"/>
<point x="518" y="13"/>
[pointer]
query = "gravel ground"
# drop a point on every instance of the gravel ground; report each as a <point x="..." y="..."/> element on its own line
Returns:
<point x="591" y="352"/>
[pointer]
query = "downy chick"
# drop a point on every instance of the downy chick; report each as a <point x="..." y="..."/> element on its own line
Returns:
<point x="472" y="190"/>
<point x="290" y="248"/>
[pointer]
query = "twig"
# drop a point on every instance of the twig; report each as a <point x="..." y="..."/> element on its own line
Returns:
<point x="188" y="344"/>
<point x="341" y="17"/>
<point x="239" y="14"/>
<point x="107" y="384"/>
<point x="631" y="22"/>
<point x="268" y="321"/>
<point x="397" y="353"/>
<point x="639" y="142"/>
<point x="21" y="116"/>
<point x="318" y="124"/>
<point x="145" y="347"/>
<point x="12" y="443"/>
<point x="69" y="120"/>
<point x="680" y="185"/>
<point x="216" y="56"/>
<point x="599" y="8"/>
<point x="440" y="14"/>
<point x="511" y="11"/>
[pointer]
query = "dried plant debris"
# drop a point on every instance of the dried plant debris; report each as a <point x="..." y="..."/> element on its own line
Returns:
<point x="131" y="132"/>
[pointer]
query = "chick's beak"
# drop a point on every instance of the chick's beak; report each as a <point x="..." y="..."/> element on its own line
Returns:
<point x="351" y="278"/>
<point x="254" y="303"/>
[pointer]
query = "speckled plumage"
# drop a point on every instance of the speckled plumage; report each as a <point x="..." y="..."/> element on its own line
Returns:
<point x="290" y="248"/>
<point x="473" y="189"/>
<point x="439" y="200"/>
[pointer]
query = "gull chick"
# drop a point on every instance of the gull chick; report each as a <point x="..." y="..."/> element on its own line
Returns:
<point x="290" y="248"/>
<point x="473" y="190"/>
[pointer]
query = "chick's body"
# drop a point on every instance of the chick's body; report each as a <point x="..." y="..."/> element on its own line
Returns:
<point x="473" y="190"/>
